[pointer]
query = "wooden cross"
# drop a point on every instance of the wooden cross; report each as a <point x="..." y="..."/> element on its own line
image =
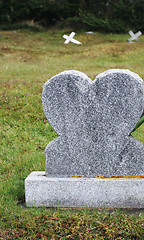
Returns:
<point x="134" y="36"/>
<point x="71" y="39"/>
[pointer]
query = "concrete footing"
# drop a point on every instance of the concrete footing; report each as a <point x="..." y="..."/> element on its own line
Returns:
<point x="83" y="192"/>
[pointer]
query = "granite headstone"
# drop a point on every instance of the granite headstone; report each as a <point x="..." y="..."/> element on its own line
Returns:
<point x="94" y="120"/>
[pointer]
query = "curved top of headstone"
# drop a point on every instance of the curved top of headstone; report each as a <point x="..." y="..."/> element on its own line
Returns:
<point x="61" y="97"/>
<point x="115" y="99"/>
<point x="125" y="71"/>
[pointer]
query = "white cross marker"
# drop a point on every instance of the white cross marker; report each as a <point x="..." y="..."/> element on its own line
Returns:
<point x="71" y="39"/>
<point x="134" y="36"/>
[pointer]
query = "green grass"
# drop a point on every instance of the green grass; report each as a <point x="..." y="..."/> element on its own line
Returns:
<point x="27" y="61"/>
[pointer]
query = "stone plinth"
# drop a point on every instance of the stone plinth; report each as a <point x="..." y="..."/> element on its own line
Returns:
<point x="83" y="192"/>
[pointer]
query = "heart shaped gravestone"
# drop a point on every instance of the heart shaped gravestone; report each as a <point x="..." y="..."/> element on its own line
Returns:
<point x="94" y="120"/>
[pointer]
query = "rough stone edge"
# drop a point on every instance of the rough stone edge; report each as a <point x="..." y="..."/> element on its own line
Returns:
<point x="68" y="72"/>
<point x="83" y="192"/>
<point x="125" y="71"/>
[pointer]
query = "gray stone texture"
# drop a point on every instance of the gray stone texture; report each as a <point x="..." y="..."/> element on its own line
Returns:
<point x="74" y="192"/>
<point x="93" y="120"/>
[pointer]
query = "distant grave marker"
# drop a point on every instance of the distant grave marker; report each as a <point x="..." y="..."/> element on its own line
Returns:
<point x="70" y="38"/>
<point x="89" y="32"/>
<point x="134" y="37"/>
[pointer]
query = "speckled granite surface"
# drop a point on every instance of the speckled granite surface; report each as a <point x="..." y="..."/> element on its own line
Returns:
<point x="93" y="120"/>
<point x="84" y="192"/>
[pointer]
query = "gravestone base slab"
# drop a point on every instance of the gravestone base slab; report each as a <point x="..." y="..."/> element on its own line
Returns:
<point x="83" y="192"/>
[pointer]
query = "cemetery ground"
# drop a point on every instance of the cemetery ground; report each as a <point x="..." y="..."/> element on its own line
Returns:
<point x="27" y="60"/>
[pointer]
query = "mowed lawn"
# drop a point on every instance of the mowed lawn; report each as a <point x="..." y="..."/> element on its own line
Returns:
<point x="27" y="61"/>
